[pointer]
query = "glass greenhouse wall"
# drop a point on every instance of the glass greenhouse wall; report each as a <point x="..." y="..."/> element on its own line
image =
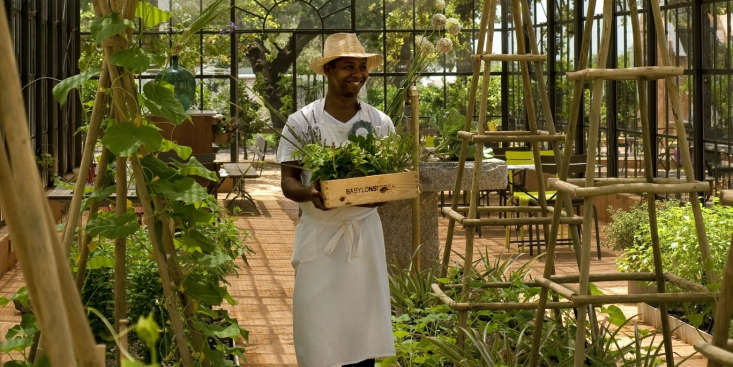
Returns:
<point x="262" y="48"/>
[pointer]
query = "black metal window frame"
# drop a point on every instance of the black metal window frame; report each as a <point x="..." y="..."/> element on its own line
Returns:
<point x="618" y="121"/>
<point x="46" y="41"/>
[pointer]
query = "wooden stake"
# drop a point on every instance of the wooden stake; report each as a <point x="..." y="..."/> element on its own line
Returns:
<point x="171" y="295"/>
<point x="93" y="209"/>
<point x="98" y="112"/>
<point x="415" y="105"/>
<point x="467" y="126"/>
<point x="120" y="294"/>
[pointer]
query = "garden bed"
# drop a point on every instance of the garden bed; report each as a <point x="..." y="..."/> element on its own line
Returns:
<point x="686" y="332"/>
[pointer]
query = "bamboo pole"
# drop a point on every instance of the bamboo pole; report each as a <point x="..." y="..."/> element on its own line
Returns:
<point x="510" y="57"/>
<point x="661" y="298"/>
<point x="495" y="138"/>
<point x="519" y="221"/>
<point x="171" y="296"/>
<point x="649" y="166"/>
<point x="684" y="283"/>
<point x="415" y="105"/>
<point x="716" y="356"/>
<point x="657" y="188"/>
<point x="95" y="122"/>
<point x="635" y="73"/>
<point x="673" y="93"/>
<point x="593" y="133"/>
<point x="563" y="174"/>
<point x="499" y="209"/>
<point x="93" y="209"/>
<point x="604" y="181"/>
<point x="176" y="275"/>
<point x="464" y="306"/>
<point x="559" y="289"/>
<point x="726" y="197"/>
<point x="477" y="161"/>
<point x="724" y="309"/>
<point x="484" y="24"/>
<point x="120" y="276"/>
<point x="36" y="245"/>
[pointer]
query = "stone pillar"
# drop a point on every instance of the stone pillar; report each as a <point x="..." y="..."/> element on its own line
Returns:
<point x="434" y="177"/>
<point x="397" y="224"/>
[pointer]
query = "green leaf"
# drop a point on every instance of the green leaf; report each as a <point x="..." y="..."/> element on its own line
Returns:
<point x="182" y="151"/>
<point x="100" y="262"/>
<point x="62" y="89"/>
<point x="204" y="291"/>
<point x="133" y="59"/>
<point x="184" y="189"/>
<point x="108" y="26"/>
<point x="594" y="290"/>
<point x="215" y="8"/>
<point x="113" y="226"/>
<point x="18" y="344"/>
<point x="98" y="196"/>
<point x="162" y="102"/>
<point x="147" y="329"/>
<point x="231" y="331"/>
<point x="194" y="168"/>
<point x="615" y="315"/>
<point x="124" y="139"/>
<point x="150" y="14"/>
<point x="195" y="240"/>
<point x="695" y="319"/>
<point x="130" y="363"/>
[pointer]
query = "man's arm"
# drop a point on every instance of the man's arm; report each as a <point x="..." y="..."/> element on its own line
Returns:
<point x="294" y="190"/>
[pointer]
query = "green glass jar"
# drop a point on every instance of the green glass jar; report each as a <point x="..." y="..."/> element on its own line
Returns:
<point x="182" y="80"/>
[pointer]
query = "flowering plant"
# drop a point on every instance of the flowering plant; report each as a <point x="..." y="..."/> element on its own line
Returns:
<point x="424" y="54"/>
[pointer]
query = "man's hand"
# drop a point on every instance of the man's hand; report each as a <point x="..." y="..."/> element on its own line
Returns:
<point x="317" y="198"/>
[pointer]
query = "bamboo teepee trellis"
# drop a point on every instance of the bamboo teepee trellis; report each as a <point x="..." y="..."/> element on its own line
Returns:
<point x="589" y="187"/>
<point x="468" y="216"/>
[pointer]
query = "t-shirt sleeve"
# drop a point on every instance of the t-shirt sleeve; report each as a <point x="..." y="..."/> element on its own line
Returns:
<point x="292" y="134"/>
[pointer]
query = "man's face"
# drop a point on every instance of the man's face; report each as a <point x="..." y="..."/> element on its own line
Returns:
<point x="346" y="75"/>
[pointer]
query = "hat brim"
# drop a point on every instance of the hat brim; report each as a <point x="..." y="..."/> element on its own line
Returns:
<point x="373" y="61"/>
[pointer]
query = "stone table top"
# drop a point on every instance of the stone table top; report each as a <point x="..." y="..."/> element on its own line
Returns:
<point x="440" y="176"/>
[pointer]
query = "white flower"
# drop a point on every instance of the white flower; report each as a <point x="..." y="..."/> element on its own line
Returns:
<point x="453" y="26"/>
<point x="444" y="45"/>
<point x="440" y="4"/>
<point x="438" y="21"/>
<point x="424" y="46"/>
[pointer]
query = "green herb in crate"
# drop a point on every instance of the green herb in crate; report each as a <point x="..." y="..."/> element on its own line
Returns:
<point x="360" y="156"/>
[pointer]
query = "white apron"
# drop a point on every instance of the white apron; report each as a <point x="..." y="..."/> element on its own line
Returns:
<point x="341" y="305"/>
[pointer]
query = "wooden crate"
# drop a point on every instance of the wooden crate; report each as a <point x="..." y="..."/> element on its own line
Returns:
<point x="369" y="189"/>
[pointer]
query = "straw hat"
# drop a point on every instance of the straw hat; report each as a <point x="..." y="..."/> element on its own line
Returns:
<point x="344" y="45"/>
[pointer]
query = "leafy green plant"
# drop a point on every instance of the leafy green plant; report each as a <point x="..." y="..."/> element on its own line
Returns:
<point x="624" y="224"/>
<point x="678" y="240"/>
<point x="679" y="247"/>
<point x="360" y="156"/>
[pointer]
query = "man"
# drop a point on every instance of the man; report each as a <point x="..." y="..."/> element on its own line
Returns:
<point x="341" y="307"/>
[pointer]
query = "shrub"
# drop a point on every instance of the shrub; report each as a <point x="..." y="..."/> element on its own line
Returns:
<point x="677" y="239"/>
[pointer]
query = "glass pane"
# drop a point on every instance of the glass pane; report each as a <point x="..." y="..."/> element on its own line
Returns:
<point x="369" y="14"/>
